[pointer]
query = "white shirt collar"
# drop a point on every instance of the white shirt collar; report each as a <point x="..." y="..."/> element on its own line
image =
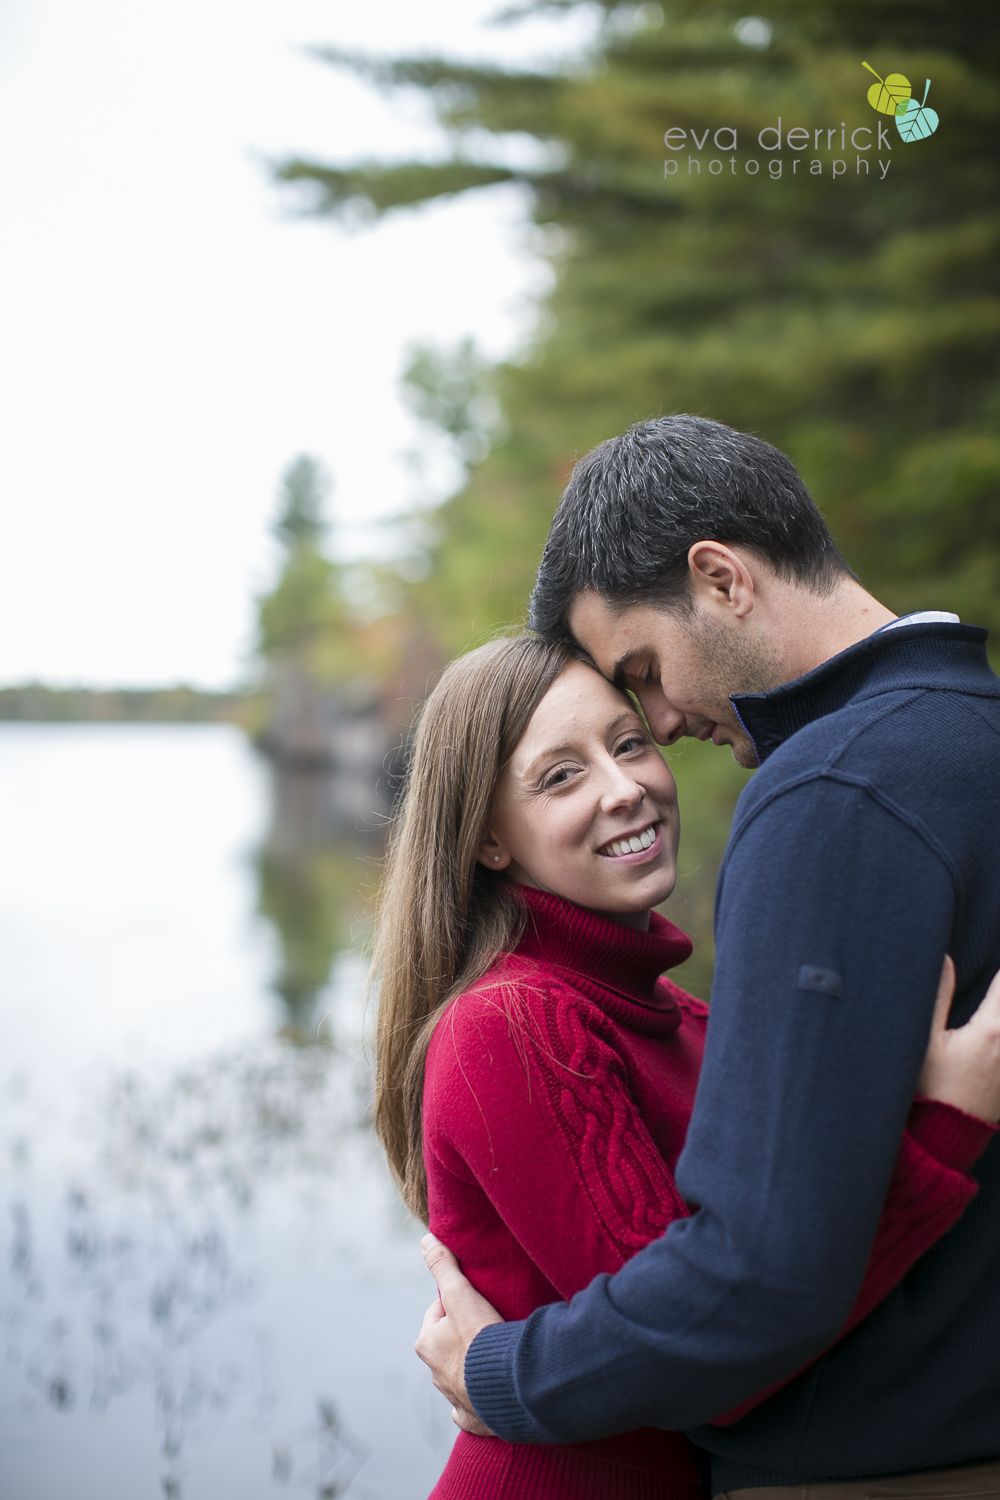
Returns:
<point x="924" y="617"/>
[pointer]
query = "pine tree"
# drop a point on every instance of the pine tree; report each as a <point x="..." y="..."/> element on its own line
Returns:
<point x="304" y="610"/>
<point x="853" y="321"/>
<point x="305" y="487"/>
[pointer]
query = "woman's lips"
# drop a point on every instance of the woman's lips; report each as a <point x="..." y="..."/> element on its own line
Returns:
<point x="644" y="856"/>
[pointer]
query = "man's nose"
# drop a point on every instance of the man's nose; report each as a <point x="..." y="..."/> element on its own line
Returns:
<point x="667" y="723"/>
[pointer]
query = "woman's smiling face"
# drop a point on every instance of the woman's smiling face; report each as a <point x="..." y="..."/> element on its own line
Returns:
<point x="586" y="807"/>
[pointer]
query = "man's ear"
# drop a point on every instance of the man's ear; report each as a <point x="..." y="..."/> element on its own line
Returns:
<point x="493" y="853"/>
<point x="721" y="578"/>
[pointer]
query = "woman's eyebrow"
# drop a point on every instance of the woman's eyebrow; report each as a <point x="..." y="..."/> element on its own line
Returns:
<point x="550" y="753"/>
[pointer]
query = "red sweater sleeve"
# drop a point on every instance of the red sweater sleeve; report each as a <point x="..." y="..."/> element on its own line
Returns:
<point x="929" y="1192"/>
<point x="527" y="1095"/>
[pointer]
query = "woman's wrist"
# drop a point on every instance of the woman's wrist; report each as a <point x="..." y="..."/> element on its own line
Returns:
<point x="952" y="1135"/>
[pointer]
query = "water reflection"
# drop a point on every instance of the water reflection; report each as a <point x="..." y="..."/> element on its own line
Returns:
<point x="212" y="1288"/>
<point x="198" y="1184"/>
<point x="159" y="1243"/>
<point x="316" y="868"/>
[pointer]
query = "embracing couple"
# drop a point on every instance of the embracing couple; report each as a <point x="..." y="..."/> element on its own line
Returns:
<point x="682" y="1253"/>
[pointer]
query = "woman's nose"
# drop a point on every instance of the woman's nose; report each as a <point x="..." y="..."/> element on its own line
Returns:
<point x="622" y="790"/>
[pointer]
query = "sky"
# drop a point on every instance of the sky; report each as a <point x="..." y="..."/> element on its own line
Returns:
<point x="173" y="333"/>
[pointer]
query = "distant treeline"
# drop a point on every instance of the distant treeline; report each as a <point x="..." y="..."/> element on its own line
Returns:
<point x="182" y="705"/>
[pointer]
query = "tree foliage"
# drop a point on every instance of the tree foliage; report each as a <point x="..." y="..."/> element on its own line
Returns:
<point x="452" y="390"/>
<point x="305" y="487"/>
<point x="853" y="322"/>
<point x="304" y="608"/>
<point x="313" y="623"/>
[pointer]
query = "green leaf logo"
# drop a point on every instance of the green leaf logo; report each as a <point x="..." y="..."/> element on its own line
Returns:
<point x="916" y="122"/>
<point x="890" y="95"/>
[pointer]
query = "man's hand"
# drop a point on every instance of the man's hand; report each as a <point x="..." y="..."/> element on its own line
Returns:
<point x="450" y="1324"/>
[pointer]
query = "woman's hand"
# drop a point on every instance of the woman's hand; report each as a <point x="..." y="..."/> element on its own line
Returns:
<point x="962" y="1066"/>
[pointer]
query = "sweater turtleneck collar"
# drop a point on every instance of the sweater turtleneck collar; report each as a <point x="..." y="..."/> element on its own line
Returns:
<point x="622" y="963"/>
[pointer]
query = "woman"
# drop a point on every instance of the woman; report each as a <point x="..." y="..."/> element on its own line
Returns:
<point x="535" y="1075"/>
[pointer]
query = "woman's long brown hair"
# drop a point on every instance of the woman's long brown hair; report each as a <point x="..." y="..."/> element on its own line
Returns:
<point x="443" y="918"/>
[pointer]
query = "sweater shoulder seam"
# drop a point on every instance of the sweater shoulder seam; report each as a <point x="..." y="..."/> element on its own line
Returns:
<point x="829" y="773"/>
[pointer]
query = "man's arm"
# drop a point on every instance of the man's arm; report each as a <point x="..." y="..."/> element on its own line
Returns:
<point x="833" y="920"/>
<point x="930" y="1190"/>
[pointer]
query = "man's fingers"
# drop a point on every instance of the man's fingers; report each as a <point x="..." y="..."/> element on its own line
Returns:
<point x="458" y="1295"/>
<point x="444" y="1268"/>
<point x="449" y="1326"/>
<point x="469" y="1422"/>
<point x="440" y="1261"/>
<point x="433" y="1315"/>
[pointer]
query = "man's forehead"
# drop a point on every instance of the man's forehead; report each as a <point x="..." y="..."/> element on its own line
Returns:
<point x="593" y="621"/>
<point x="610" y="634"/>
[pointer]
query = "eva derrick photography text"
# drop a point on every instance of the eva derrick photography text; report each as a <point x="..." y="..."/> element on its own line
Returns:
<point x="820" y="143"/>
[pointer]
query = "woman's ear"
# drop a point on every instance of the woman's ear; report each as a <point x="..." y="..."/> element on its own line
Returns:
<point x="493" y="853"/>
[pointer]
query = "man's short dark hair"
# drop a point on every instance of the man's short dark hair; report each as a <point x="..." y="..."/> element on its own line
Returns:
<point x="636" y="504"/>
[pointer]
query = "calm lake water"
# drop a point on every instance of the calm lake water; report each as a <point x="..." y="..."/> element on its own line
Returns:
<point x="210" y="1290"/>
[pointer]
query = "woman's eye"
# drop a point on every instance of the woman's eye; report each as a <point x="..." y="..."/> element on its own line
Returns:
<point x="634" y="742"/>
<point x="556" y="778"/>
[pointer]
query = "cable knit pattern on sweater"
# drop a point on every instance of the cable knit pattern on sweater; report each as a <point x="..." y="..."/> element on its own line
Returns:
<point x="557" y="1097"/>
<point x="577" y="1062"/>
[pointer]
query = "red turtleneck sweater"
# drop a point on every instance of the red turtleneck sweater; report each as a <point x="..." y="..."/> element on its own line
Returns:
<point x="557" y="1097"/>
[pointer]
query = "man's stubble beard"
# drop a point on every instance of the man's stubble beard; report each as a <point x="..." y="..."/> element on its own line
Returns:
<point x="731" y="661"/>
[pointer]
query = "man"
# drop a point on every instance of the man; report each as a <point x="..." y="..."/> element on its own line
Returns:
<point x="691" y="563"/>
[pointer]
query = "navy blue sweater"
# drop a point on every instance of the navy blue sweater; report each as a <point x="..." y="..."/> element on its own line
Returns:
<point x="865" y="848"/>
